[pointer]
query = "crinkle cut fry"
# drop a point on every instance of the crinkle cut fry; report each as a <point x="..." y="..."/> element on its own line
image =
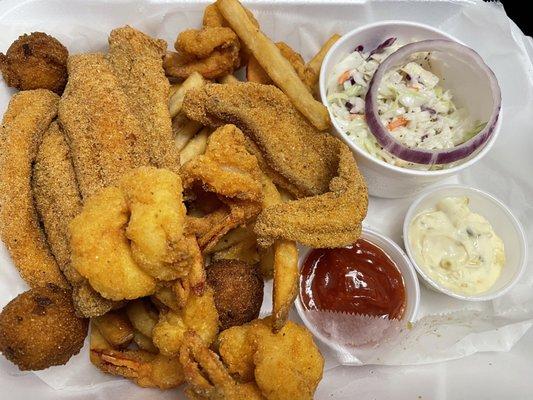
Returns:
<point x="136" y="61"/>
<point x="291" y="147"/>
<point x="332" y="219"/>
<point x="28" y="116"/>
<point x="58" y="201"/>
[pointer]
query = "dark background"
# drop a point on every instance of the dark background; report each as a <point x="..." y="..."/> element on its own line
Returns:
<point x="518" y="11"/>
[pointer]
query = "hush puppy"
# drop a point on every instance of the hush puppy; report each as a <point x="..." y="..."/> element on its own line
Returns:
<point x="35" y="61"/>
<point x="238" y="290"/>
<point x="39" y="328"/>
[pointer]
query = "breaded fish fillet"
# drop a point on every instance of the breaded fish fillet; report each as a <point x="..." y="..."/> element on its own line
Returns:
<point x="96" y="117"/>
<point x="27" y="117"/>
<point x="137" y="61"/>
<point x="299" y="157"/>
<point x="58" y="201"/>
<point x="332" y="219"/>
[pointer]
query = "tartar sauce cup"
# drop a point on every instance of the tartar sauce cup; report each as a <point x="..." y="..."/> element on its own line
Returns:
<point x="383" y="179"/>
<point x="402" y="261"/>
<point x="504" y="223"/>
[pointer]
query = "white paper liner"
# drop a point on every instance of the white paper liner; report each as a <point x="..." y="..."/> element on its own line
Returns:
<point x="447" y="329"/>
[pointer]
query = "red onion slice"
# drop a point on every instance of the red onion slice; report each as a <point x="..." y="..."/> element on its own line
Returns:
<point x="424" y="156"/>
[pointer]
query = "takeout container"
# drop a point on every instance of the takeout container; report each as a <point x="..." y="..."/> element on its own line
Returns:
<point x="469" y="89"/>
<point x="503" y="222"/>
<point x="412" y="289"/>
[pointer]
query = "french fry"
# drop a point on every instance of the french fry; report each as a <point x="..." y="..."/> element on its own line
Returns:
<point x="97" y="340"/>
<point x="195" y="80"/>
<point x="245" y="250"/>
<point x="173" y="88"/>
<point x="184" y="130"/>
<point x="316" y="62"/>
<point x="231" y="238"/>
<point x="285" y="265"/>
<point x="144" y="343"/>
<point x="229" y="79"/>
<point x="195" y="147"/>
<point x="115" y="328"/>
<point x="166" y="296"/>
<point x="142" y="317"/>
<point x="276" y="66"/>
<point x="285" y="281"/>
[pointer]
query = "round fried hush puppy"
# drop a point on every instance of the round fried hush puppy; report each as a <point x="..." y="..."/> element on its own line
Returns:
<point x="238" y="289"/>
<point x="39" y="328"/>
<point x="35" y="61"/>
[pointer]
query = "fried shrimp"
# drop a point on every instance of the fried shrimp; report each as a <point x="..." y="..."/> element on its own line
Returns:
<point x="229" y="171"/>
<point x="207" y="376"/>
<point x="199" y="315"/>
<point x="39" y="328"/>
<point x="285" y="365"/>
<point x="135" y="230"/>
<point x="101" y="251"/>
<point x="27" y="117"/>
<point x="146" y="369"/>
<point x="201" y="43"/>
<point x="156" y="223"/>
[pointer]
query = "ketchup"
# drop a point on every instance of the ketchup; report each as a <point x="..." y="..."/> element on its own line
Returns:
<point x="359" y="279"/>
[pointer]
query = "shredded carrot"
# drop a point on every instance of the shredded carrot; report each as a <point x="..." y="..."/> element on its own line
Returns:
<point x="400" y="121"/>
<point x="344" y="77"/>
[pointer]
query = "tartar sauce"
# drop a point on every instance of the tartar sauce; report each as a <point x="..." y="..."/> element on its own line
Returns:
<point x="456" y="247"/>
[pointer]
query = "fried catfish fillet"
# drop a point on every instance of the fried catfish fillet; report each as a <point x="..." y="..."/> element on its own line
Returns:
<point x="102" y="133"/>
<point x="228" y="170"/>
<point x="300" y="158"/>
<point x="58" y="201"/>
<point x="136" y="61"/>
<point x="28" y="116"/>
<point x="332" y="219"/>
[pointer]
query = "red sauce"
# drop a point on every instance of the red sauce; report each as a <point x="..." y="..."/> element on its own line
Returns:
<point x="357" y="279"/>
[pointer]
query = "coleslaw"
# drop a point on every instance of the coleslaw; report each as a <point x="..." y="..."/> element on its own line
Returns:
<point x="413" y="106"/>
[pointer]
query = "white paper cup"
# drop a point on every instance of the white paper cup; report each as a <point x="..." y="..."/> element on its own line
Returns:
<point x="402" y="261"/>
<point x="502" y="220"/>
<point x="469" y="88"/>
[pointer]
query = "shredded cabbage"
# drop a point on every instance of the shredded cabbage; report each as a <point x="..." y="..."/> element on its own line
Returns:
<point x="418" y="112"/>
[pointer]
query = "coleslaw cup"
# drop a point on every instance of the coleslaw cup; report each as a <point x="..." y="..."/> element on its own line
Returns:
<point x="383" y="179"/>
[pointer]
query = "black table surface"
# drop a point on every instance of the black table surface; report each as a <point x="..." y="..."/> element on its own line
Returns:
<point x="519" y="12"/>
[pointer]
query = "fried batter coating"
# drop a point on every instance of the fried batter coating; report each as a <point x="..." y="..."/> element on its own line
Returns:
<point x="201" y="43"/>
<point x="39" y="328"/>
<point x="199" y="315"/>
<point x="218" y="64"/>
<point x="27" y="118"/>
<point x="207" y="376"/>
<point x="332" y="219"/>
<point x="156" y="222"/>
<point x="291" y="147"/>
<point x="238" y="289"/>
<point x="102" y="132"/>
<point x="285" y="365"/>
<point x="35" y="61"/>
<point x="144" y="368"/>
<point x="58" y="201"/>
<point x="288" y="364"/>
<point x="101" y="251"/>
<point x="136" y="61"/>
<point x="228" y="170"/>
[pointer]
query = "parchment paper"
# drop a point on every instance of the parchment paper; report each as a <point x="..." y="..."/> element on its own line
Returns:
<point x="448" y="328"/>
